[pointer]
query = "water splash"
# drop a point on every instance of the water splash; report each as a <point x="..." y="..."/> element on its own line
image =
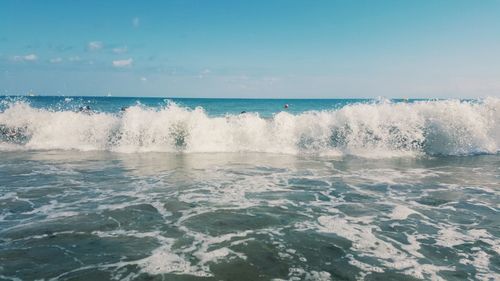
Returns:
<point x="379" y="130"/>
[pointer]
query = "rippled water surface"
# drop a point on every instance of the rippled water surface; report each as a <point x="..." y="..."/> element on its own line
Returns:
<point x="98" y="215"/>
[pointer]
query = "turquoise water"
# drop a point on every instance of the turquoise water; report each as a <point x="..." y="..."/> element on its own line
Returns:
<point x="325" y="190"/>
<point x="214" y="107"/>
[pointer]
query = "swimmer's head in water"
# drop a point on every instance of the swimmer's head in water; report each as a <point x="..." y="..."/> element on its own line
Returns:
<point x="84" y="108"/>
<point x="285" y="106"/>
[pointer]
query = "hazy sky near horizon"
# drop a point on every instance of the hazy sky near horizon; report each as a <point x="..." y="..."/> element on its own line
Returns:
<point x="272" y="48"/>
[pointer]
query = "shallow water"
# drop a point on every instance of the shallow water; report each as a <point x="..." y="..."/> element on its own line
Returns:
<point x="98" y="215"/>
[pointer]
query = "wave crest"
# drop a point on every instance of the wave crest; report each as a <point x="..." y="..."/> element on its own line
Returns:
<point x="448" y="127"/>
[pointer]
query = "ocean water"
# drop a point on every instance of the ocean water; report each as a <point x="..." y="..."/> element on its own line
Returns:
<point x="192" y="189"/>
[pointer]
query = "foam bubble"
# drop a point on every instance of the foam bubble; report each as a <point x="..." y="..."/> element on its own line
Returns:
<point x="401" y="212"/>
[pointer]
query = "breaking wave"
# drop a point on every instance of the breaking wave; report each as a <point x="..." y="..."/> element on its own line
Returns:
<point x="383" y="129"/>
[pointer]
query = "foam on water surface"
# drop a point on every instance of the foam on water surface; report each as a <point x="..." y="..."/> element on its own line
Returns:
<point x="371" y="130"/>
<point x="287" y="215"/>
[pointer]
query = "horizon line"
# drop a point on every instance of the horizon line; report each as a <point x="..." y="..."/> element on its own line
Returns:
<point x="254" y="98"/>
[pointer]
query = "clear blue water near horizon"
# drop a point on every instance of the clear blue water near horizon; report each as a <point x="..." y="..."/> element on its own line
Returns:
<point x="193" y="189"/>
<point x="212" y="106"/>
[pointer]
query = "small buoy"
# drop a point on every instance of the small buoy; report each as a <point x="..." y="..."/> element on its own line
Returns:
<point x="286" y="105"/>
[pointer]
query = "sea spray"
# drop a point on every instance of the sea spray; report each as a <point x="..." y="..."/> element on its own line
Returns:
<point x="379" y="129"/>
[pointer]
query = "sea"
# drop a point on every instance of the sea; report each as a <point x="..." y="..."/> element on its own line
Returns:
<point x="112" y="188"/>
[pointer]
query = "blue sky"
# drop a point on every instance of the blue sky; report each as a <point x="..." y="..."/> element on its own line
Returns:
<point x="273" y="48"/>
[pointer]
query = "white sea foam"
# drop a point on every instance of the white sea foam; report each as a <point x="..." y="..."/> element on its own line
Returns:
<point x="401" y="212"/>
<point x="379" y="130"/>
<point x="365" y="241"/>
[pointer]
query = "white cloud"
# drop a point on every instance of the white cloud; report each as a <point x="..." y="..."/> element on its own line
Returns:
<point x="204" y="73"/>
<point x="56" y="60"/>
<point x="76" y="58"/>
<point x="120" y="50"/>
<point x="95" y="45"/>
<point x="123" y="63"/>
<point x="136" y="22"/>
<point x="30" y="57"/>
